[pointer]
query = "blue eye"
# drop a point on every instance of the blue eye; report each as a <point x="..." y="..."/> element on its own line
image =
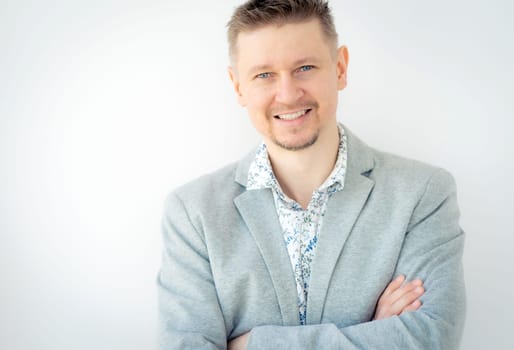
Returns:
<point x="263" y="75"/>
<point x="306" y="68"/>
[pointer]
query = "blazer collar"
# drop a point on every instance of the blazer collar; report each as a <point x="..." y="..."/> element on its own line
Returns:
<point x="360" y="159"/>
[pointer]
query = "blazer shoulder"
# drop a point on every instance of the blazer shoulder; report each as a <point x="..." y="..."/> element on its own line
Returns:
<point x="406" y="173"/>
<point x="208" y="189"/>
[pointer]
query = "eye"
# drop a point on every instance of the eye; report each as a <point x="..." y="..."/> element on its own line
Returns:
<point x="305" y="68"/>
<point x="263" y="75"/>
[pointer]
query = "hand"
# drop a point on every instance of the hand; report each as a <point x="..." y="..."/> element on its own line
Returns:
<point x="398" y="298"/>
<point x="239" y="343"/>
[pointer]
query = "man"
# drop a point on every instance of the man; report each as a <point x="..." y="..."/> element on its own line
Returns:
<point x="308" y="241"/>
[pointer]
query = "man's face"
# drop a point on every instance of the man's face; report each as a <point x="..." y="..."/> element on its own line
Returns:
<point x="288" y="78"/>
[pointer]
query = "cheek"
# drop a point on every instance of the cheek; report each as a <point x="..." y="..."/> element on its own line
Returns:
<point x="325" y="85"/>
<point x="327" y="97"/>
<point x="257" y="102"/>
<point x="256" y="108"/>
<point x="327" y="94"/>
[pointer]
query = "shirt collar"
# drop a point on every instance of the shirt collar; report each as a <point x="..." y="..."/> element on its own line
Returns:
<point x="260" y="174"/>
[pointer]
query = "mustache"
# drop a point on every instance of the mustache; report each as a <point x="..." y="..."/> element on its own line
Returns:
<point x="282" y="109"/>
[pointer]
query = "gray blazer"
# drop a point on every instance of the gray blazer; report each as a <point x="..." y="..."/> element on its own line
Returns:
<point x="226" y="270"/>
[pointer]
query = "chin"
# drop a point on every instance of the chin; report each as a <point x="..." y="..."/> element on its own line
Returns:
<point x="296" y="145"/>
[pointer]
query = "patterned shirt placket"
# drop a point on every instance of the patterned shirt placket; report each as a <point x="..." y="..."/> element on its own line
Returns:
<point x="302" y="234"/>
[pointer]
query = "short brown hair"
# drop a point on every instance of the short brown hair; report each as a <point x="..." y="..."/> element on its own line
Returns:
<point x="254" y="14"/>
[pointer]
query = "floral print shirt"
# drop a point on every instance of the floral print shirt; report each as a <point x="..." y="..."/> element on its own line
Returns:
<point x="300" y="226"/>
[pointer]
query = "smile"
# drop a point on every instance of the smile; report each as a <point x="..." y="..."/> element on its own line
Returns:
<point x="293" y="116"/>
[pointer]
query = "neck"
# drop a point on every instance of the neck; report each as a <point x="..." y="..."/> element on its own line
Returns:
<point x="301" y="172"/>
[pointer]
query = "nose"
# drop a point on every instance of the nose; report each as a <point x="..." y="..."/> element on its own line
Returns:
<point x="288" y="91"/>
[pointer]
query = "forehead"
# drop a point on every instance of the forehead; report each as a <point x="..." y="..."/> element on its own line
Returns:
<point x="281" y="44"/>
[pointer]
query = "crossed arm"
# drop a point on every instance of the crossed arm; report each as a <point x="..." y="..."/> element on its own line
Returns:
<point x="397" y="298"/>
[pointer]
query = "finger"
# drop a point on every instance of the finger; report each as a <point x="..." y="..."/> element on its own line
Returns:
<point x="393" y="285"/>
<point x="406" y="288"/>
<point x="396" y="297"/>
<point x="413" y="306"/>
<point x="407" y="300"/>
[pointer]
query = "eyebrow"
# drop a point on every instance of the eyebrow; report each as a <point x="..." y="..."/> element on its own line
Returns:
<point x="266" y="67"/>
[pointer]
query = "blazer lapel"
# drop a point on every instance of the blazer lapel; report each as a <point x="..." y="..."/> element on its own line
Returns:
<point x="258" y="212"/>
<point x="257" y="209"/>
<point x="343" y="210"/>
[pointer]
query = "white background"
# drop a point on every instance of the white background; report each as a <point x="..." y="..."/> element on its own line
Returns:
<point x="106" y="106"/>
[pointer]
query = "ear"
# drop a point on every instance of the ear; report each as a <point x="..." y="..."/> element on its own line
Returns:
<point x="342" y="66"/>
<point x="235" y="83"/>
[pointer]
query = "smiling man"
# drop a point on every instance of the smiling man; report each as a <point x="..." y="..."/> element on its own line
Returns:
<point x="309" y="241"/>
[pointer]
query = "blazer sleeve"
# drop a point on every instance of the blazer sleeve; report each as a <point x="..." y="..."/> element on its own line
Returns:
<point x="189" y="313"/>
<point x="432" y="250"/>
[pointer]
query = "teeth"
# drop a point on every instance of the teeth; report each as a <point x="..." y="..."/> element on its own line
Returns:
<point x="292" y="115"/>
